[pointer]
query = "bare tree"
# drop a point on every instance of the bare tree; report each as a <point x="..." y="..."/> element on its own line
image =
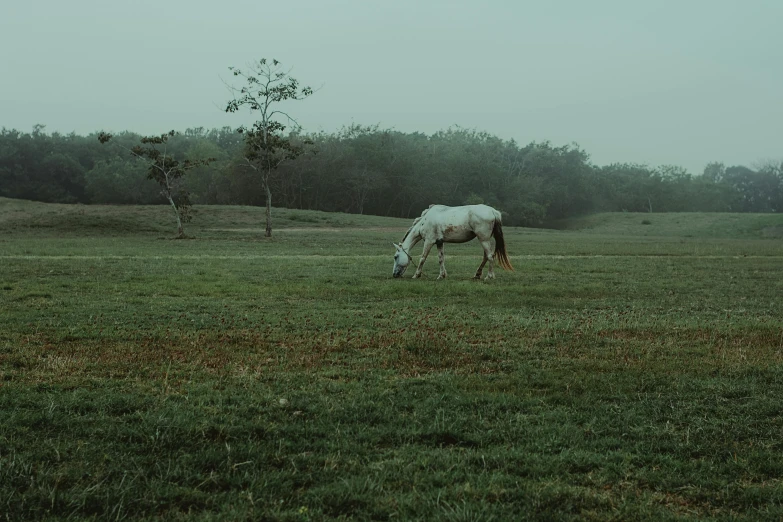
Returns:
<point x="267" y="85"/>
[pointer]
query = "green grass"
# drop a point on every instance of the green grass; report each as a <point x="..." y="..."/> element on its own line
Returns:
<point x="611" y="376"/>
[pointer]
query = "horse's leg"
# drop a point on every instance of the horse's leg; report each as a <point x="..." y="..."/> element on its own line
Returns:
<point x="481" y="266"/>
<point x="441" y="260"/>
<point x="427" y="247"/>
<point x="489" y="255"/>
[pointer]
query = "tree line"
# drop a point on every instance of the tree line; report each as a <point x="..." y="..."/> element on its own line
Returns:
<point x="371" y="170"/>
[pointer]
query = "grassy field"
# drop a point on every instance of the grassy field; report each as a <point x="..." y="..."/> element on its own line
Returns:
<point x="623" y="371"/>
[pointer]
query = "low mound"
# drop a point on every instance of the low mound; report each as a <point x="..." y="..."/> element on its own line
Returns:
<point x="46" y="219"/>
<point x="678" y="224"/>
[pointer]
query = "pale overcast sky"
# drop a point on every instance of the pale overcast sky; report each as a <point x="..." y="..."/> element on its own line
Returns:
<point x="680" y="82"/>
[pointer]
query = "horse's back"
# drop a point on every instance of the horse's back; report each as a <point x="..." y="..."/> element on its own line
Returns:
<point x="479" y="212"/>
<point x="458" y="224"/>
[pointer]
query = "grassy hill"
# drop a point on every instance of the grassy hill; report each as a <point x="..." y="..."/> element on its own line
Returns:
<point x="29" y="217"/>
<point x="681" y="224"/>
<point x="33" y="218"/>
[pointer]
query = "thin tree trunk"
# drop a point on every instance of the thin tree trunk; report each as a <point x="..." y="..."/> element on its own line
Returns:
<point x="268" y="232"/>
<point x="180" y="230"/>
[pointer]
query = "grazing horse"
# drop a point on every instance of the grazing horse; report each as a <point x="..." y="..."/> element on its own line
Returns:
<point x="440" y="224"/>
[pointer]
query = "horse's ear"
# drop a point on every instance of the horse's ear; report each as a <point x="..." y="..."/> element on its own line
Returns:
<point x="396" y="245"/>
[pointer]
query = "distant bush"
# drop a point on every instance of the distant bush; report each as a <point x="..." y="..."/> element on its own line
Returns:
<point x="296" y="216"/>
<point x="646" y="222"/>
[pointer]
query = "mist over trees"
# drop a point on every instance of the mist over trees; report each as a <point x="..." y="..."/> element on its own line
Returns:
<point x="371" y="170"/>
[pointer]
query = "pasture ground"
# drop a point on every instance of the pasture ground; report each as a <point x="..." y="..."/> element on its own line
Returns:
<point x="624" y="371"/>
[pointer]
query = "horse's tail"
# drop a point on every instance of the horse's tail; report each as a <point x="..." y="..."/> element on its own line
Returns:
<point x="501" y="256"/>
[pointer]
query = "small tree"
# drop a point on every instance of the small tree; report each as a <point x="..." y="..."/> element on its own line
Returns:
<point x="166" y="171"/>
<point x="267" y="85"/>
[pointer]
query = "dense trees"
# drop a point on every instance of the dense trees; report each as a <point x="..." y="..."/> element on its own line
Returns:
<point x="370" y="170"/>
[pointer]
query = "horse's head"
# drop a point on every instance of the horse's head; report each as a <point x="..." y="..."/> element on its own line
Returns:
<point x="401" y="261"/>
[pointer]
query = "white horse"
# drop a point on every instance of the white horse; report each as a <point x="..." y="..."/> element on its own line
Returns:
<point x="440" y="224"/>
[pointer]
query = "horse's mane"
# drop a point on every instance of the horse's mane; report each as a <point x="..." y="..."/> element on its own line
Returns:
<point x="415" y="222"/>
<point x="409" y="230"/>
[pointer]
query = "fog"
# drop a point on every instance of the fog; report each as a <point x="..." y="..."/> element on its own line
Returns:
<point x="666" y="82"/>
